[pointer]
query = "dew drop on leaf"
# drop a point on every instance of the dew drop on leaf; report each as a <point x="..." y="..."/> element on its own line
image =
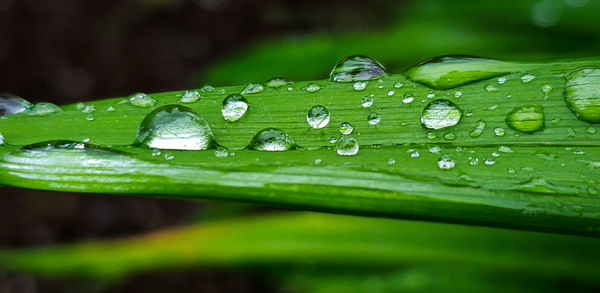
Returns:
<point x="346" y="128"/>
<point x="526" y="78"/>
<point x="272" y="140"/>
<point x="440" y="114"/>
<point x="175" y="127"/>
<point x="252" y="88"/>
<point x="313" y="87"/>
<point x="277" y="82"/>
<point x="374" y="118"/>
<point x="189" y="97"/>
<point x="356" y="68"/>
<point x="478" y="129"/>
<point x="318" y="117"/>
<point x="142" y="100"/>
<point x="583" y="95"/>
<point x="360" y="85"/>
<point x="11" y="104"/>
<point x="234" y="107"/>
<point x="446" y="162"/>
<point x="43" y="109"/>
<point x="347" y="146"/>
<point x="527" y="119"/>
<point x="367" y="101"/>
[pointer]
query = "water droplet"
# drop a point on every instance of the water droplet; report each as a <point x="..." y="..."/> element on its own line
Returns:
<point x="360" y="85"/>
<point x="207" y="88"/>
<point x="527" y="119"/>
<point x="415" y="154"/>
<point x="440" y="114"/>
<point x="87" y="109"/>
<point x="446" y="162"/>
<point x="511" y="170"/>
<point x="450" y="71"/>
<point x="489" y="161"/>
<point x="43" y="109"/>
<point x="499" y="131"/>
<point x="272" y="140"/>
<point x="347" y="146"/>
<point x="175" y="127"/>
<point x="346" y="128"/>
<point x="234" y="107"/>
<point x="252" y="88"/>
<point x="142" y="100"/>
<point x="398" y="85"/>
<point x="590" y="130"/>
<point x="478" y="129"/>
<point x="505" y="149"/>
<point x="473" y="161"/>
<point x="333" y="139"/>
<point x="390" y="93"/>
<point x="318" y="117"/>
<point x="169" y="156"/>
<point x="408" y="98"/>
<point x="221" y="153"/>
<point x="355" y="68"/>
<point x="490" y="88"/>
<point x="277" y="82"/>
<point x="1" y="139"/>
<point x="367" y="101"/>
<point x="491" y="108"/>
<point x="189" y="97"/>
<point x="582" y="94"/>
<point x="501" y="80"/>
<point x="313" y="87"/>
<point x="434" y="149"/>
<point x="156" y="152"/>
<point x="457" y="94"/>
<point x="546" y="89"/>
<point x="110" y="109"/>
<point x="89" y="117"/>
<point x="450" y="136"/>
<point x="555" y="121"/>
<point x="374" y="118"/>
<point x="430" y="95"/>
<point x="11" y="104"/>
<point x="391" y="161"/>
<point x="527" y="77"/>
<point x="431" y="135"/>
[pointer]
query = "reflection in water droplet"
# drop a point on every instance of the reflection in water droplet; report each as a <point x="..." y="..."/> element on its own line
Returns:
<point x="583" y="95"/>
<point x="501" y="80"/>
<point x="478" y="129"/>
<point x="360" y="85"/>
<point x="527" y="77"/>
<point x="277" y="82"/>
<point x="450" y="136"/>
<point x="43" y="109"/>
<point x="355" y="68"/>
<point x="374" y="118"/>
<point x="333" y="139"/>
<point x="367" y="101"/>
<point x="318" y="117"/>
<point x="142" y="100"/>
<point x="446" y="72"/>
<point x="408" y="98"/>
<point x="527" y="119"/>
<point x="446" y="162"/>
<point x="313" y="87"/>
<point x="11" y="104"/>
<point x="440" y="114"/>
<point x="174" y="127"/>
<point x="347" y="146"/>
<point x="234" y="107"/>
<point x="272" y="140"/>
<point x="398" y="85"/>
<point x="346" y="128"/>
<point x="390" y="93"/>
<point x="189" y="97"/>
<point x="252" y="88"/>
<point x="499" y="131"/>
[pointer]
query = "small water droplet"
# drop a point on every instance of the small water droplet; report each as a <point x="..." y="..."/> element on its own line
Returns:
<point x="555" y="121"/>
<point x="489" y="161"/>
<point x="234" y="107"/>
<point x="582" y="94"/>
<point x="333" y="139"/>
<point x="355" y="68"/>
<point x="318" y="161"/>
<point x="318" y="117"/>
<point x="360" y="85"/>
<point x="390" y="93"/>
<point x="110" y="109"/>
<point x="590" y="130"/>
<point x="473" y="161"/>
<point x="87" y="109"/>
<point x="501" y="80"/>
<point x="446" y="162"/>
<point x="546" y="89"/>
<point x="457" y="94"/>
<point x="527" y="77"/>
<point x="189" y="97"/>
<point x="450" y="136"/>
<point x="11" y="104"/>
<point x="440" y="114"/>
<point x="367" y="101"/>
<point x="450" y="71"/>
<point x="1" y="139"/>
<point x="490" y="88"/>
<point x="142" y="100"/>
<point x="169" y="156"/>
<point x="511" y="170"/>
<point x="43" y="109"/>
<point x="431" y="135"/>
<point x="313" y="87"/>
<point x="430" y="95"/>
<point x="272" y="140"/>
<point x="347" y="146"/>
<point x="434" y="149"/>
<point x="174" y="127"/>
<point x="527" y="119"/>
<point x="478" y="129"/>
<point x="398" y="85"/>
<point x="156" y="152"/>
<point x="207" y="88"/>
<point x="415" y="154"/>
<point x="253" y="88"/>
<point x="408" y="98"/>
<point x="491" y="108"/>
<point x="505" y="149"/>
<point x="499" y="131"/>
<point x="346" y="128"/>
<point x="221" y="153"/>
<point x="89" y="117"/>
<point x="391" y="161"/>
<point x="374" y="118"/>
<point x="277" y="82"/>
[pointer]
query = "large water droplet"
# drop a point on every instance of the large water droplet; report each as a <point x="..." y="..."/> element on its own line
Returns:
<point x="142" y="100"/>
<point x="355" y="68"/>
<point x="318" y="117"/>
<point x="347" y="146"/>
<point x="528" y="119"/>
<point x="11" y="104"/>
<point x="272" y="140"/>
<point x="277" y="82"/>
<point x="234" y="107"/>
<point x="346" y="128"/>
<point x="175" y="127"/>
<point x="43" y="109"/>
<point x="252" y="88"/>
<point x="440" y="114"/>
<point x="582" y="93"/>
<point x="450" y="71"/>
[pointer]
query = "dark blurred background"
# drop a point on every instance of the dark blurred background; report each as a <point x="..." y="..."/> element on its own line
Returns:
<point x="66" y="51"/>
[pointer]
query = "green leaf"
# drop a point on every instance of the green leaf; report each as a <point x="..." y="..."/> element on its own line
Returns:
<point x="546" y="181"/>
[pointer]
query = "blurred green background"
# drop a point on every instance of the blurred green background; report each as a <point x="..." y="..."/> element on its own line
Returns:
<point x="70" y="50"/>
